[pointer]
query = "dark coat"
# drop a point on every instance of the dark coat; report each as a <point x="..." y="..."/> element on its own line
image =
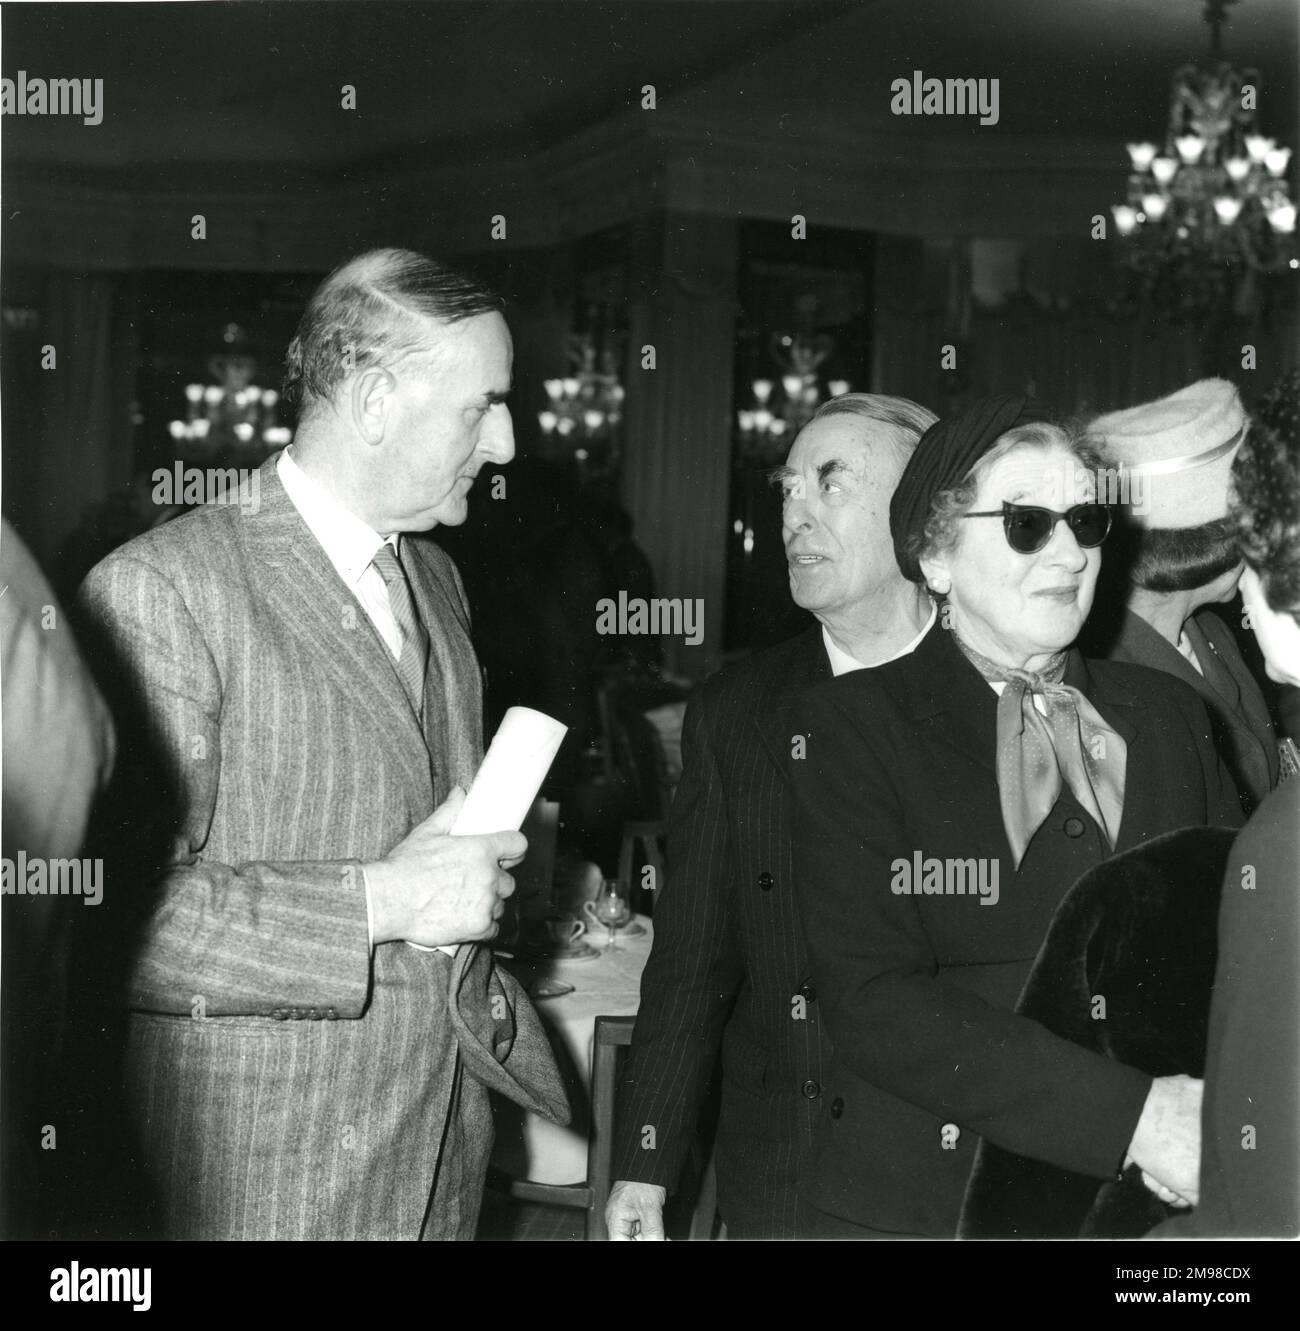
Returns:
<point x="918" y="991"/>
<point x="1250" y="1120"/>
<point x="1243" y="732"/>
<point x="728" y="972"/>
<point x="1126" y="970"/>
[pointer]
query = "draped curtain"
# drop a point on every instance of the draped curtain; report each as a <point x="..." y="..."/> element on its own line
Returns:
<point x="68" y="434"/>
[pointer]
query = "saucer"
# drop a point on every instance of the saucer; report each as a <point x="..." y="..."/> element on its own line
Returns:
<point x="578" y="951"/>
<point x="545" y="987"/>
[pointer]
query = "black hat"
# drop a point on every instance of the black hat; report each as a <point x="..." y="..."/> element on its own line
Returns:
<point x="943" y="457"/>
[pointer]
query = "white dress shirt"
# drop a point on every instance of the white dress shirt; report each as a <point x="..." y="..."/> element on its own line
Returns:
<point x="1189" y="652"/>
<point x="350" y="544"/>
<point x="842" y="662"/>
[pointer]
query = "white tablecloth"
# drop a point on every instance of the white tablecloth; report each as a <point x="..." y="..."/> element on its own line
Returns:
<point x="607" y="985"/>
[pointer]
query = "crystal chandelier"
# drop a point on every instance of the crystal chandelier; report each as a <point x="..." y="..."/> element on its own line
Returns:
<point x="584" y="410"/>
<point x="1211" y="208"/>
<point x="771" y="420"/>
<point x="232" y="419"/>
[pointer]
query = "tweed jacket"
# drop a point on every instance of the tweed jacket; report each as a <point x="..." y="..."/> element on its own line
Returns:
<point x="284" y="1079"/>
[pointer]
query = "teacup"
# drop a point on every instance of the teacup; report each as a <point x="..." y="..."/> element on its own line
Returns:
<point x="564" y="930"/>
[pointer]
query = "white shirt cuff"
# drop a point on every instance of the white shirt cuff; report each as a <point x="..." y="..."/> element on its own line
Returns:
<point x="370" y="912"/>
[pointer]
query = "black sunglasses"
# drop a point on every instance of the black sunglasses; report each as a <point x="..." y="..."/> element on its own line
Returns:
<point x="1029" y="528"/>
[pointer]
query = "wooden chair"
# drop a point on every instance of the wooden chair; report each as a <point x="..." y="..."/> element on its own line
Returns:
<point x="592" y="1193"/>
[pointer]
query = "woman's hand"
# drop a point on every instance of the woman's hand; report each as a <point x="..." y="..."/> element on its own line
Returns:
<point x="1166" y="1143"/>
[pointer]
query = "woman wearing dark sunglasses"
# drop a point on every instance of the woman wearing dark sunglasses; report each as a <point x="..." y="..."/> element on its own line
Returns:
<point x="945" y="804"/>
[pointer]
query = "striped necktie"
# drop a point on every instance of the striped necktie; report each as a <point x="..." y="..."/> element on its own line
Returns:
<point x="413" y="662"/>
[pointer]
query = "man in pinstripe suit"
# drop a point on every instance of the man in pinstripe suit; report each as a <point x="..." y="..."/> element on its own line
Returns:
<point x="301" y="1060"/>
<point x="728" y="974"/>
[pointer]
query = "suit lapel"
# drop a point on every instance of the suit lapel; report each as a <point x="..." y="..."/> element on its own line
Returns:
<point x="1218" y="677"/>
<point x="949" y="699"/>
<point x="305" y="593"/>
<point x="806" y="667"/>
<point x="1141" y="644"/>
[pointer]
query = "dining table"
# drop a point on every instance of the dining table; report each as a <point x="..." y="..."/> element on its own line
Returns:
<point x="606" y="981"/>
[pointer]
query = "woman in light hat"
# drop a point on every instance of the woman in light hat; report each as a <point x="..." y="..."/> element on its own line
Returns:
<point x="1176" y="557"/>
<point x="942" y="806"/>
<point x="1250" y="1146"/>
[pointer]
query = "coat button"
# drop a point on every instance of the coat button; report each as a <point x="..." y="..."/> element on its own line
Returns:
<point x="808" y="990"/>
<point x="837" y="1107"/>
<point x="765" y="881"/>
<point x="1074" y="827"/>
<point x="811" y="1089"/>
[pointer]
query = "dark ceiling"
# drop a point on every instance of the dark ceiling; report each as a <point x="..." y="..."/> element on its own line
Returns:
<point x="257" y="85"/>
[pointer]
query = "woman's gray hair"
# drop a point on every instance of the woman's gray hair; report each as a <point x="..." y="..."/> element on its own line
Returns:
<point x="943" y="526"/>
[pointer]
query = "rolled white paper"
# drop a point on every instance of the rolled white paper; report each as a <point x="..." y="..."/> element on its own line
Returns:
<point x="510" y="775"/>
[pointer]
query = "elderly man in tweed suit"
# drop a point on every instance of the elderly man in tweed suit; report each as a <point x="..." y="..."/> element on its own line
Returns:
<point x="314" y="1021"/>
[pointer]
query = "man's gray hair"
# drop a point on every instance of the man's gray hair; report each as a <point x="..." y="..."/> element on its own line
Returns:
<point x="907" y="420"/>
<point x="371" y="309"/>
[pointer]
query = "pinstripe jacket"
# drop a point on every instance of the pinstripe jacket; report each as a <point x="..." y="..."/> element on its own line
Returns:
<point x="284" y="1081"/>
<point x="728" y="973"/>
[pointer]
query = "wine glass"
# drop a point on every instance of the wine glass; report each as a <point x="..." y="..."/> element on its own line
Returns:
<point x="611" y="907"/>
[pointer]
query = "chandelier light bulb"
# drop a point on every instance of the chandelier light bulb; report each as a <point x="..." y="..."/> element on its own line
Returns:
<point x="1282" y="218"/>
<point x="762" y="419"/>
<point x="212" y="395"/>
<point x="593" y="419"/>
<point x="199" y="428"/>
<point x="243" y="432"/>
<point x="745" y="419"/>
<point x="837" y="387"/>
<point x="1275" y="160"/>
<point x="1126" y="219"/>
<point x="194" y="392"/>
<point x="1141" y="155"/>
<point x="548" y="419"/>
<point x="1226" y="209"/>
<point x="762" y="390"/>
<point x="554" y="389"/>
<point x="177" y="429"/>
<point x="777" y="427"/>
<point x="1238" y="168"/>
<point x="571" y="387"/>
<point x="1190" y="147"/>
<point x="1154" y="206"/>
<point x="564" y="425"/>
<point x="1258" y="147"/>
<point x="791" y="383"/>
<point x="1164" y="169"/>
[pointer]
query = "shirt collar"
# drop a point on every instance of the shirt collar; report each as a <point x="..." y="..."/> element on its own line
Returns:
<point x="350" y="543"/>
<point x="842" y="662"/>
